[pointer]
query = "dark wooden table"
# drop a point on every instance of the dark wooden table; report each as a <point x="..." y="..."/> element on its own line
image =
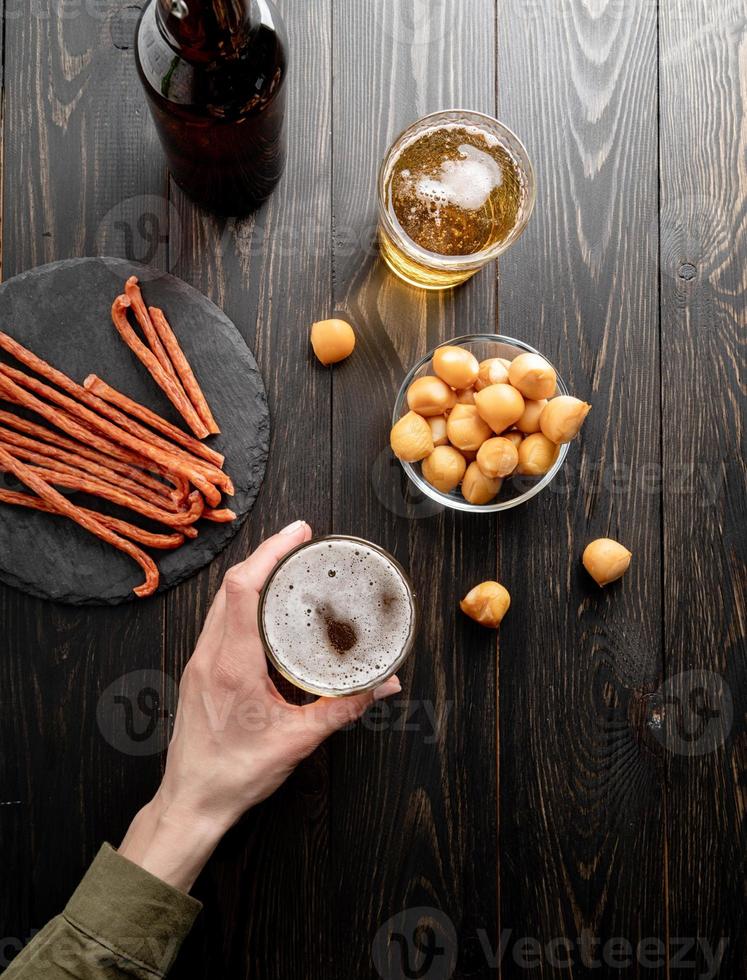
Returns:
<point x="575" y="786"/>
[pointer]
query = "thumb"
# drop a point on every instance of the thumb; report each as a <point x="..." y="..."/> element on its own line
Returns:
<point x="326" y="716"/>
<point x="243" y="583"/>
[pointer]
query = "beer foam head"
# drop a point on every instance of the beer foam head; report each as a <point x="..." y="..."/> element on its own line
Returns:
<point x="338" y="615"/>
<point x="466" y="183"/>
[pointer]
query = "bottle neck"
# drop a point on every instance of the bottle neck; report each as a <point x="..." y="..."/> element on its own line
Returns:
<point x="202" y="30"/>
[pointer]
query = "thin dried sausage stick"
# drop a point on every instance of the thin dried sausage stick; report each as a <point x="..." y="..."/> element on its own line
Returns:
<point x="224" y="516"/>
<point x="100" y="405"/>
<point x="108" y="394"/>
<point x="57" y="476"/>
<point x="9" y="375"/>
<point x="123" y="498"/>
<point x="123" y="460"/>
<point x="10" y="391"/>
<point x="35" y="482"/>
<point x="210" y="473"/>
<point x="132" y="291"/>
<point x="113" y="472"/>
<point x="116" y="457"/>
<point x="108" y="397"/>
<point x="183" y="369"/>
<point x="95" y="472"/>
<point x="173" y="391"/>
<point x="161" y="542"/>
<point x="84" y="425"/>
<point x="72" y="424"/>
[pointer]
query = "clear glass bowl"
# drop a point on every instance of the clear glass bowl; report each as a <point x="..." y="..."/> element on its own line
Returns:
<point x="516" y="490"/>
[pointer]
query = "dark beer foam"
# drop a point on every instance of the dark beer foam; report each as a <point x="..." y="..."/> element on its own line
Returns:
<point x="338" y="615"/>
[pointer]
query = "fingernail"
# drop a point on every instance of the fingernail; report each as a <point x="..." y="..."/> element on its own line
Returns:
<point x="388" y="688"/>
<point x="292" y="528"/>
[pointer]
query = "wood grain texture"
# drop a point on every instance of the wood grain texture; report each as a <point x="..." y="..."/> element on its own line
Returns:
<point x="413" y="811"/>
<point x="266" y="891"/>
<point x="582" y="842"/>
<point x="68" y="178"/>
<point x="704" y="330"/>
<point x="564" y="802"/>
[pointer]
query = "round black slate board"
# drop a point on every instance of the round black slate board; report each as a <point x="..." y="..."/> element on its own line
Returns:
<point x="62" y="312"/>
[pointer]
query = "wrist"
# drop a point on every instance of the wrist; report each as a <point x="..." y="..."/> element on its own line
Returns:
<point x="171" y="843"/>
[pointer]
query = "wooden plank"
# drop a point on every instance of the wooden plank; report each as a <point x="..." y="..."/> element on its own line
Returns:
<point x="75" y="181"/>
<point x="703" y="257"/>
<point x="581" y="782"/>
<point x="265" y="891"/>
<point x="413" y="811"/>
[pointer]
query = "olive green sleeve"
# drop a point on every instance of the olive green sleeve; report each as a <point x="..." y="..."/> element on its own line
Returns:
<point x="121" y="922"/>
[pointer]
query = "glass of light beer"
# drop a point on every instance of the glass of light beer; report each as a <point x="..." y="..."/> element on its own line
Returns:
<point x="338" y="616"/>
<point x="455" y="190"/>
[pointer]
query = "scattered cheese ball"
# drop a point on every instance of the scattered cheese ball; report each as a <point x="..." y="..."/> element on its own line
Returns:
<point x="411" y="438"/>
<point x="437" y="425"/>
<point x="478" y="488"/>
<point x="332" y="340"/>
<point x="562" y="418"/>
<point x="487" y="604"/>
<point x="537" y="455"/>
<point x="533" y="376"/>
<point x="465" y="429"/>
<point x="501" y="406"/>
<point x="430" y="396"/>
<point x="456" y="366"/>
<point x="491" y="420"/>
<point x="444" y="468"/>
<point x="530" y="420"/>
<point x="606" y="560"/>
<point x="497" y="457"/>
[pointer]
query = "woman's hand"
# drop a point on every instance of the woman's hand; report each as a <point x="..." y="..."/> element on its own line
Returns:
<point x="235" y="737"/>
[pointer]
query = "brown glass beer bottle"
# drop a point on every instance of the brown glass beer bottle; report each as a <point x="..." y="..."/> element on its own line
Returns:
<point x="214" y="75"/>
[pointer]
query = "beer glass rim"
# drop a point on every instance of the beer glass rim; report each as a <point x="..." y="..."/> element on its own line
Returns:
<point x="516" y="148"/>
<point x="319" y="690"/>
